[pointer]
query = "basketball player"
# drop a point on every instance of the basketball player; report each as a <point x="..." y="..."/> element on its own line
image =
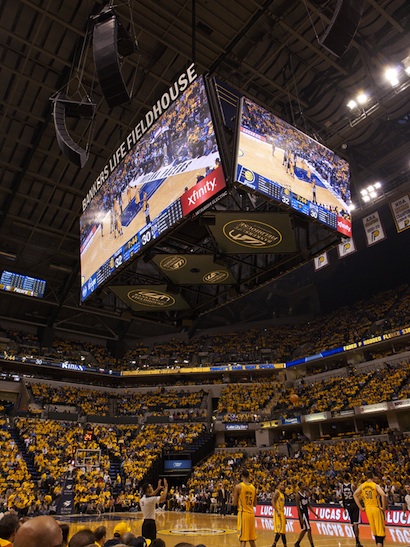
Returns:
<point x="347" y="491"/>
<point x="145" y="208"/>
<point x="279" y="519"/>
<point x="148" y="502"/>
<point x="244" y="497"/>
<point x="117" y="219"/>
<point x="303" y="506"/>
<point x="313" y="184"/>
<point x="370" y="497"/>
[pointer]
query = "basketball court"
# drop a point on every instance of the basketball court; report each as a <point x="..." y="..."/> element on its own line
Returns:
<point x="257" y="155"/>
<point x="217" y="531"/>
<point x="105" y="242"/>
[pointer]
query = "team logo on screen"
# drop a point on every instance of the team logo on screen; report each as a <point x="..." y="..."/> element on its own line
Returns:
<point x="151" y="298"/>
<point x="173" y="263"/>
<point x="217" y="276"/>
<point x="249" y="176"/>
<point x="252" y="233"/>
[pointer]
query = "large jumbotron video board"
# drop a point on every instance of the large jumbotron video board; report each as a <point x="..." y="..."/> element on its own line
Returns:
<point x="166" y="169"/>
<point x="278" y="161"/>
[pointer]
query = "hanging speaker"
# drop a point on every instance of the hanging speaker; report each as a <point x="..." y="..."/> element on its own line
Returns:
<point x="65" y="108"/>
<point x="111" y="39"/>
<point x="343" y="26"/>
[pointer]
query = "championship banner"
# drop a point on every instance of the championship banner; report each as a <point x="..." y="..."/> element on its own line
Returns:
<point x="348" y="247"/>
<point x="401" y="212"/>
<point x="321" y="261"/>
<point x="373" y="229"/>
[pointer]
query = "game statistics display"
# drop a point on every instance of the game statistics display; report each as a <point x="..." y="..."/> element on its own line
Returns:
<point x="163" y="173"/>
<point x="280" y="162"/>
<point x="22" y="284"/>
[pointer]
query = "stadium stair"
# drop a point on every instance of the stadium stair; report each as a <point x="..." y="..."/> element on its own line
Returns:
<point x="28" y="458"/>
<point x="201" y="448"/>
<point x="114" y="471"/>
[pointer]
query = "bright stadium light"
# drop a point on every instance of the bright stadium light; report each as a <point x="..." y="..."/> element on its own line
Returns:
<point x="362" y="97"/>
<point x="392" y="76"/>
<point x="371" y="192"/>
<point x="352" y="104"/>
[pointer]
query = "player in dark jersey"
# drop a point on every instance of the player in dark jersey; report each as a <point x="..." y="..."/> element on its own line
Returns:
<point x="347" y="491"/>
<point x="303" y="507"/>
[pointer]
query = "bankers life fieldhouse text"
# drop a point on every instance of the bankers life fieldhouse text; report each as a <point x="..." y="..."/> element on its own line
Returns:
<point x="169" y="97"/>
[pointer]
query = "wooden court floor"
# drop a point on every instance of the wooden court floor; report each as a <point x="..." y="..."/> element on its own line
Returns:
<point x="216" y="531"/>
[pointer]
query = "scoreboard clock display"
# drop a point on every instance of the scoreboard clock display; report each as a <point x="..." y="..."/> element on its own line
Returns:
<point x="22" y="284"/>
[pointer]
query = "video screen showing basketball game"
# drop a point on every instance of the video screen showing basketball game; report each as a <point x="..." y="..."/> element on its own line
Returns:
<point x="280" y="162"/>
<point x="172" y="171"/>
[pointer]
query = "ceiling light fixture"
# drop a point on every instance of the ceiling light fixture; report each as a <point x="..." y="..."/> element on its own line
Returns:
<point x="392" y="76"/>
<point x="370" y="192"/>
<point x="8" y="255"/>
<point x="362" y="97"/>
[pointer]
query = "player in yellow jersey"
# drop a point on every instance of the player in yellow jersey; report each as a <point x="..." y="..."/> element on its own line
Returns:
<point x="279" y="519"/>
<point x="370" y="497"/>
<point x="244" y="498"/>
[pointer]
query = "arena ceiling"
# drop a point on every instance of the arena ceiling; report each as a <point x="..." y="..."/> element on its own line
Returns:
<point x="269" y="50"/>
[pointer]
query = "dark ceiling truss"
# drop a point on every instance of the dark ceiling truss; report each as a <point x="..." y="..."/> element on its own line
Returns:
<point x="269" y="50"/>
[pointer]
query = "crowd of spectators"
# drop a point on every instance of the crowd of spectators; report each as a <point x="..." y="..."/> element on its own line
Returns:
<point x="138" y="403"/>
<point x="384" y="312"/>
<point x="320" y="465"/>
<point x="55" y="446"/>
<point x="240" y="402"/>
<point x="59" y="448"/>
<point x="247" y="403"/>
<point x="88" y="401"/>
<point x="51" y="445"/>
<point x="182" y="405"/>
